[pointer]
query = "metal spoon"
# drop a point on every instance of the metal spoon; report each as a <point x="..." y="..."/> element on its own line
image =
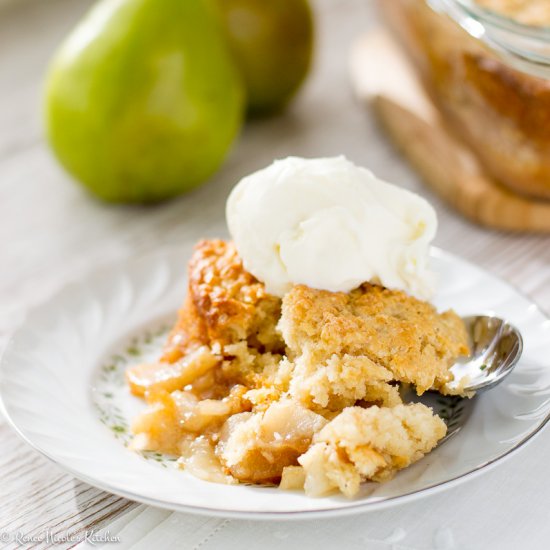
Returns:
<point x="496" y="347"/>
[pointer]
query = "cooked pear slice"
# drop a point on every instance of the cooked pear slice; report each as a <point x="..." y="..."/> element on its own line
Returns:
<point x="150" y="378"/>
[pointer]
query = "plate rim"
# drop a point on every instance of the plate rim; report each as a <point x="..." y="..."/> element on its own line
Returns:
<point x="359" y="507"/>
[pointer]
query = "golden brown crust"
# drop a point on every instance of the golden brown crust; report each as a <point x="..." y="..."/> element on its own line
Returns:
<point x="341" y="347"/>
<point x="501" y="113"/>
<point x="396" y="332"/>
<point x="225" y="304"/>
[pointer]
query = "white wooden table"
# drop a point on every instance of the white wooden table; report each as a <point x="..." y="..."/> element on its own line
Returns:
<point x="51" y="232"/>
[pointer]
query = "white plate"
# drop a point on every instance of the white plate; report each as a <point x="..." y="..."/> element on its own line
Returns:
<point x="61" y="389"/>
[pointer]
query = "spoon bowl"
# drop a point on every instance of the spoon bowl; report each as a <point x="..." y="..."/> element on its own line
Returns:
<point x="496" y="347"/>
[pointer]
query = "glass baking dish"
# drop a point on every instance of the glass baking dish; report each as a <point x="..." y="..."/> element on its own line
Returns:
<point x="489" y="74"/>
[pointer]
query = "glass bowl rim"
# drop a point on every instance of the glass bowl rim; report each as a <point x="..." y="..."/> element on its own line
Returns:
<point x="488" y="17"/>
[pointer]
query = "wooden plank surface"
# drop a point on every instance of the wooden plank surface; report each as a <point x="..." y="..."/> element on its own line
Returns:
<point x="52" y="232"/>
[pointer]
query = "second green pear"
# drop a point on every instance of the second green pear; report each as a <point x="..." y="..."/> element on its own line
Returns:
<point x="272" y="41"/>
<point x="143" y="100"/>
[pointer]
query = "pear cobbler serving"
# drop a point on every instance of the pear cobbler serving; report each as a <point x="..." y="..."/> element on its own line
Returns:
<point x="286" y="361"/>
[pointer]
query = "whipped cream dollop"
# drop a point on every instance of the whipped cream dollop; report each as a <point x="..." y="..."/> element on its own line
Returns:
<point x="329" y="224"/>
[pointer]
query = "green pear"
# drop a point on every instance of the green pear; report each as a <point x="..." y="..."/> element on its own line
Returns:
<point x="143" y="99"/>
<point x="272" y="41"/>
